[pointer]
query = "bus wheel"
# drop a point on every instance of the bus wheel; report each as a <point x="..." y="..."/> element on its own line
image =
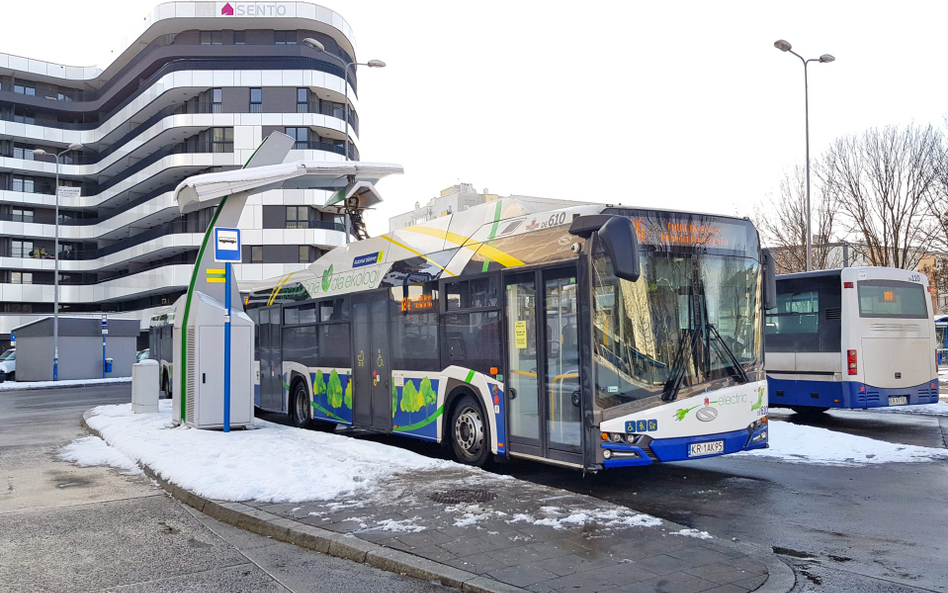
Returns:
<point x="469" y="433"/>
<point x="299" y="409"/>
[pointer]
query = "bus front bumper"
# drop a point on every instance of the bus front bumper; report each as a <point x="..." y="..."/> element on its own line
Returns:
<point x="755" y="436"/>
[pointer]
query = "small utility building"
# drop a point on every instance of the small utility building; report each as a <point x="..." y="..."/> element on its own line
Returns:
<point x="80" y="348"/>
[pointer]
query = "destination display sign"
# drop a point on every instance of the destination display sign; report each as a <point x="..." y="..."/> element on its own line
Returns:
<point x="678" y="230"/>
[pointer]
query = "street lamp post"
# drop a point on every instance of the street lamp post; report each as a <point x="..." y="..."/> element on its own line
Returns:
<point x="309" y="41"/>
<point x="785" y="46"/>
<point x="57" y="156"/>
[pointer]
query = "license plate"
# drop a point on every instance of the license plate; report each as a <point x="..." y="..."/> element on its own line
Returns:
<point x="700" y="449"/>
<point x="898" y="401"/>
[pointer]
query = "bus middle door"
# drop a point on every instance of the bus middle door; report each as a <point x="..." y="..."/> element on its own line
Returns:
<point x="372" y="395"/>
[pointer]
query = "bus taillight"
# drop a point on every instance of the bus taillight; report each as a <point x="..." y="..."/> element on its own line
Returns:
<point x="853" y="367"/>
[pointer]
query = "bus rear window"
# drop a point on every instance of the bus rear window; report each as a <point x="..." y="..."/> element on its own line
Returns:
<point x="892" y="298"/>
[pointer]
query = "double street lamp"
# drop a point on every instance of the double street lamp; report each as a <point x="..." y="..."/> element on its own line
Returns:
<point x="57" y="156"/>
<point x="785" y="46"/>
<point x="309" y="41"/>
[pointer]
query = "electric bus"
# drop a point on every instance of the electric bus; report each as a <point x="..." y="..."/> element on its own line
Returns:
<point x="851" y="338"/>
<point x="587" y="336"/>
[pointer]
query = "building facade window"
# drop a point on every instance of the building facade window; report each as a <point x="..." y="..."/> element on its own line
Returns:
<point x="297" y="217"/>
<point x="23" y="152"/>
<point x="285" y="37"/>
<point x="21" y="278"/>
<point x="22" y="89"/>
<point x="22" y="215"/>
<point x="302" y="100"/>
<point x="64" y="95"/>
<point x="222" y="139"/>
<point x="240" y="37"/>
<point x="212" y="37"/>
<point x="21" y="248"/>
<point x="217" y="98"/>
<point x="256" y="254"/>
<point x="301" y="135"/>
<point x="23" y="184"/>
<point x="256" y="100"/>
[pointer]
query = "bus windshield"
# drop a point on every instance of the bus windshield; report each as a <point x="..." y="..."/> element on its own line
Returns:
<point x="689" y="319"/>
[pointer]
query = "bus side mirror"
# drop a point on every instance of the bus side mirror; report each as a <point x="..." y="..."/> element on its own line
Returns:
<point x="621" y="243"/>
<point x="769" y="265"/>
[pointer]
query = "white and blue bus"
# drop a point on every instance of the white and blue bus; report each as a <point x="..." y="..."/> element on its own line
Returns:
<point x="851" y="338"/>
<point x="587" y="336"/>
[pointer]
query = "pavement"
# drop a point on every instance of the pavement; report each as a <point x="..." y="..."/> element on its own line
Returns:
<point x="489" y="533"/>
<point x="67" y="528"/>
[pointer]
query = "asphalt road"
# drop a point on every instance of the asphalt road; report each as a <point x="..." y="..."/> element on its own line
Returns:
<point x="865" y="529"/>
<point x="66" y="528"/>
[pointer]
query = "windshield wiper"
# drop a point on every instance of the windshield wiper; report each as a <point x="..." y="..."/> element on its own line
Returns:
<point x="677" y="376"/>
<point x="738" y="367"/>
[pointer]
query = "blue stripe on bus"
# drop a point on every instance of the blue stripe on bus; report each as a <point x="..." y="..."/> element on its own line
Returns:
<point x="845" y="394"/>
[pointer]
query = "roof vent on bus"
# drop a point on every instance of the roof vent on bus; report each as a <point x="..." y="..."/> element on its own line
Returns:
<point x="833" y="314"/>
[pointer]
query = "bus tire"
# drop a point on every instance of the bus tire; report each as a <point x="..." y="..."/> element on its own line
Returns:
<point x="470" y="432"/>
<point x="300" y="413"/>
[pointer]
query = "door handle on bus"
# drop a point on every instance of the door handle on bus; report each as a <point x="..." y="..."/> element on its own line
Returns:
<point x="512" y="393"/>
<point x="576" y="398"/>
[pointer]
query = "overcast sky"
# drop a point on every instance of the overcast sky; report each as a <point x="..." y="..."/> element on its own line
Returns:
<point x="674" y="104"/>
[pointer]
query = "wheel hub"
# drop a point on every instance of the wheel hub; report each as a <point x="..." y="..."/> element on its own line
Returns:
<point x="469" y="432"/>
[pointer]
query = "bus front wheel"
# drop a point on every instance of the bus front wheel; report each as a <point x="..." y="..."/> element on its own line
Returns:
<point x="470" y="432"/>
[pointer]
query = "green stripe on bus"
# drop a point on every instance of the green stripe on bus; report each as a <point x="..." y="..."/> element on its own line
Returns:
<point x="327" y="412"/>
<point x="493" y="233"/>
<point x="470" y="377"/>
<point x="421" y="423"/>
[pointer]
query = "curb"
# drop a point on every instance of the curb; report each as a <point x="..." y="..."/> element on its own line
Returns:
<point x="325" y="541"/>
<point x="55" y="385"/>
<point x="781" y="578"/>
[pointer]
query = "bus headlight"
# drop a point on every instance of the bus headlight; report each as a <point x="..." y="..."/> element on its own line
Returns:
<point x="762" y="436"/>
<point x="607" y="454"/>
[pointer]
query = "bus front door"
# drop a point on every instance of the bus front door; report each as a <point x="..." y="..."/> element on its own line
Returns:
<point x="545" y="416"/>
<point x="271" y="359"/>
<point x="372" y="395"/>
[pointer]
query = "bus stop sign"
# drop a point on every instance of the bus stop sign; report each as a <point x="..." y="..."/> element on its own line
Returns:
<point x="227" y="245"/>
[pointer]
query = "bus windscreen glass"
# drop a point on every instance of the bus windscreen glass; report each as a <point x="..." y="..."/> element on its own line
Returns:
<point x="892" y="299"/>
<point x="685" y="315"/>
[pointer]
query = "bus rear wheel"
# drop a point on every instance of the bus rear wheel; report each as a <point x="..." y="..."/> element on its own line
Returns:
<point x="300" y="406"/>
<point x="470" y="433"/>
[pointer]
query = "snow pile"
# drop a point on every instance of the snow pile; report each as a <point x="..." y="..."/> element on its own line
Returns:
<point x="91" y="451"/>
<point x="11" y="385"/>
<point x="610" y="518"/>
<point x="938" y="409"/>
<point x="693" y="533"/>
<point x="273" y="463"/>
<point x="808" y="444"/>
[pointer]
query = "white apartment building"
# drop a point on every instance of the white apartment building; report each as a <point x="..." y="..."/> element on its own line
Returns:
<point x="194" y="88"/>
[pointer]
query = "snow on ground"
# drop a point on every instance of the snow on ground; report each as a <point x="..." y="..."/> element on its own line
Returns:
<point x="693" y="533"/>
<point x="611" y="518"/>
<point x="91" y="450"/>
<point x="273" y="463"/>
<point x="939" y="409"/>
<point x="808" y="444"/>
<point x="8" y="385"/>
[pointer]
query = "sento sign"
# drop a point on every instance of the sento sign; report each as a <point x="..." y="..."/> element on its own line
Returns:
<point x="253" y="9"/>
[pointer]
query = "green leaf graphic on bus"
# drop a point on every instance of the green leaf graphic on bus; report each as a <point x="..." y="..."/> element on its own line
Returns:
<point x="682" y="412"/>
<point x="319" y="387"/>
<point x="348" y="399"/>
<point x="327" y="277"/>
<point x="394" y="399"/>
<point x="428" y="395"/>
<point x="334" y="390"/>
<point x="411" y="399"/>
<point x="760" y="399"/>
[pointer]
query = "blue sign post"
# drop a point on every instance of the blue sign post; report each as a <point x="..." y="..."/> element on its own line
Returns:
<point x="105" y="332"/>
<point x="227" y="251"/>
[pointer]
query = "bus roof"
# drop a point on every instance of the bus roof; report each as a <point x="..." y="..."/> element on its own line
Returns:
<point x="857" y="272"/>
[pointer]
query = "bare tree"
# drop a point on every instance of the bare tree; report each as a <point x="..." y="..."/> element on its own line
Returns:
<point x="781" y="220"/>
<point x="881" y="183"/>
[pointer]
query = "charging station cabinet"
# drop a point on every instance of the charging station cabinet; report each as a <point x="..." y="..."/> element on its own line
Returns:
<point x="204" y="383"/>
